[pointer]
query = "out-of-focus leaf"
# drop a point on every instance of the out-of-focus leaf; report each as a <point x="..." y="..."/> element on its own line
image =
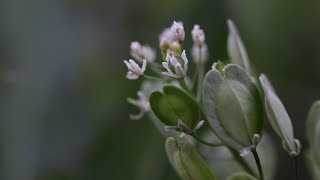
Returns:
<point x="233" y="106"/>
<point x="187" y="162"/>
<point x="222" y="154"/>
<point x="314" y="166"/>
<point x="174" y="104"/>
<point x="241" y="176"/>
<point x="313" y="127"/>
<point x="313" y="135"/>
<point x="237" y="51"/>
<point x="278" y="116"/>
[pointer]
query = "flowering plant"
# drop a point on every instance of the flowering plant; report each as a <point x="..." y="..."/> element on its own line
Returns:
<point x="216" y="118"/>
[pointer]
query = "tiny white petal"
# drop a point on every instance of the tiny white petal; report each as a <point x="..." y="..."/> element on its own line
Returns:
<point x="137" y="116"/>
<point x="170" y="128"/>
<point x="185" y="59"/>
<point x="199" y="125"/>
<point x="170" y="74"/>
<point x="144" y="66"/>
<point x="127" y="64"/>
<point x="173" y="61"/>
<point x="246" y="151"/>
<point x="182" y="135"/>
<point x="131" y="75"/>
<point x="166" y="66"/>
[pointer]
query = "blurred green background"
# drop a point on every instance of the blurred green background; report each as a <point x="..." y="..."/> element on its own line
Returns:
<point x="63" y="89"/>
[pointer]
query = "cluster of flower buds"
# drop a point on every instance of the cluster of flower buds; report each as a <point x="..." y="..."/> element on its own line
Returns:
<point x="170" y="39"/>
<point x="140" y="52"/>
<point x="199" y="48"/>
<point x="176" y="66"/>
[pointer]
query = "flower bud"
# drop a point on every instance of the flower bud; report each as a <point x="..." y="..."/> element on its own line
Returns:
<point x="198" y="35"/>
<point x="140" y="52"/>
<point x="178" y="30"/>
<point x="134" y="70"/>
<point x="175" y="68"/>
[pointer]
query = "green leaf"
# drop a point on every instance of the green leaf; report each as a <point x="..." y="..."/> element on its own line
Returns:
<point x="237" y="51"/>
<point x="233" y="106"/>
<point x="241" y="176"/>
<point x="223" y="155"/>
<point x="313" y="122"/>
<point x="187" y="162"/>
<point x="174" y="104"/>
<point x="278" y="116"/>
<point x="313" y="130"/>
<point x="312" y="164"/>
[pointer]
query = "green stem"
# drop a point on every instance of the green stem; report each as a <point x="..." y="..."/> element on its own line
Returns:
<point x="152" y="77"/>
<point x="200" y="81"/>
<point x="206" y="143"/>
<point x="184" y="84"/>
<point x="257" y="159"/>
<point x="194" y="78"/>
<point x="296" y="167"/>
<point x="241" y="161"/>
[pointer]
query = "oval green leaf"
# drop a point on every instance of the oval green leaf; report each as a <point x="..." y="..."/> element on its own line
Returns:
<point x="233" y="106"/>
<point x="313" y="131"/>
<point x="187" y="161"/>
<point x="174" y="104"/>
<point x="278" y="116"/>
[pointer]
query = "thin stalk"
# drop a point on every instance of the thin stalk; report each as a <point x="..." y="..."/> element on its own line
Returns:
<point x="257" y="159"/>
<point x="194" y="78"/>
<point x="295" y="159"/>
<point x="184" y="84"/>
<point x="206" y="143"/>
<point x="200" y="81"/>
<point x="153" y="78"/>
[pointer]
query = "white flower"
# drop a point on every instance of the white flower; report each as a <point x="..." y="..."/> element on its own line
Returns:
<point x="199" y="53"/>
<point x="142" y="103"/>
<point x="178" y="30"/>
<point x="140" y="52"/>
<point x="174" y="67"/>
<point x="198" y="35"/>
<point x="134" y="70"/>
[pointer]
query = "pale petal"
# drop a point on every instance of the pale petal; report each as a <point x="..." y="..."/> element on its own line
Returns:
<point x="174" y="62"/>
<point x="131" y="75"/>
<point x="199" y="125"/>
<point x="170" y="74"/>
<point x="127" y="64"/>
<point x="133" y="63"/>
<point x="170" y="128"/>
<point x="166" y="66"/>
<point x="185" y="59"/>
<point x="137" y="116"/>
<point x="246" y="151"/>
<point x="144" y="66"/>
<point x="168" y="58"/>
<point x="148" y="53"/>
